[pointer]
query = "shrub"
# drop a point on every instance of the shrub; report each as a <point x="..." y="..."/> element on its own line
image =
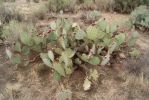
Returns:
<point x="1" y="31"/>
<point x="9" y="13"/>
<point x="40" y="13"/>
<point x="36" y="1"/>
<point x="123" y="6"/>
<point x="57" y="5"/>
<point x="140" y="17"/>
<point x="9" y="0"/>
<point x="94" y="15"/>
<point x="88" y="3"/>
<point x="28" y="1"/>
<point x="13" y="29"/>
<point x="91" y="16"/>
<point x="126" y="6"/>
<point x="104" y="4"/>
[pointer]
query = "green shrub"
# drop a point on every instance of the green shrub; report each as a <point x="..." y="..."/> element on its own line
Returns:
<point x="91" y="16"/>
<point x="123" y="6"/>
<point x="9" y="0"/>
<point x="140" y="17"/>
<point x="88" y="3"/>
<point x="36" y="1"/>
<point x="94" y="15"/>
<point x="126" y="6"/>
<point x="1" y="30"/>
<point x="40" y="13"/>
<point x="105" y="5"/>
<point x="28" y="1"/>
<point x="9" y="13"/>
<point x="13" y="29"/>
<point x="57" y="5"/>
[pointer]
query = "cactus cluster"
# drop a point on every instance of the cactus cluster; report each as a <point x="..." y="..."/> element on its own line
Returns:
<point x="65" y="45"/>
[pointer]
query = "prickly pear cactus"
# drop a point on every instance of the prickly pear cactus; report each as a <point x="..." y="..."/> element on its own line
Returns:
<point x="65" y="46"/>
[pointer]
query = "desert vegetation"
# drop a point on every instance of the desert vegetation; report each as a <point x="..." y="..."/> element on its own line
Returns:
<point x="74" y="49"/>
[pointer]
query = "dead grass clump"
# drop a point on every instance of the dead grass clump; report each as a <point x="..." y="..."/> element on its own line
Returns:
<point x="137" y="86"/>
<point x="136" y="78"/>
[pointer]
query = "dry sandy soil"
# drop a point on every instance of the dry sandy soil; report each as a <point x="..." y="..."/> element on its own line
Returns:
<point x="129" y="81"/>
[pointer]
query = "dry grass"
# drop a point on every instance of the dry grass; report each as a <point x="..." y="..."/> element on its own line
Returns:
<point x="113" y="86"/>
<point x="9" y="13"/>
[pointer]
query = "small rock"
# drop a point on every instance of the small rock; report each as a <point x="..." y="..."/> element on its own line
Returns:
<point x="87" y="85"/>
<point x="122" y="55"/>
